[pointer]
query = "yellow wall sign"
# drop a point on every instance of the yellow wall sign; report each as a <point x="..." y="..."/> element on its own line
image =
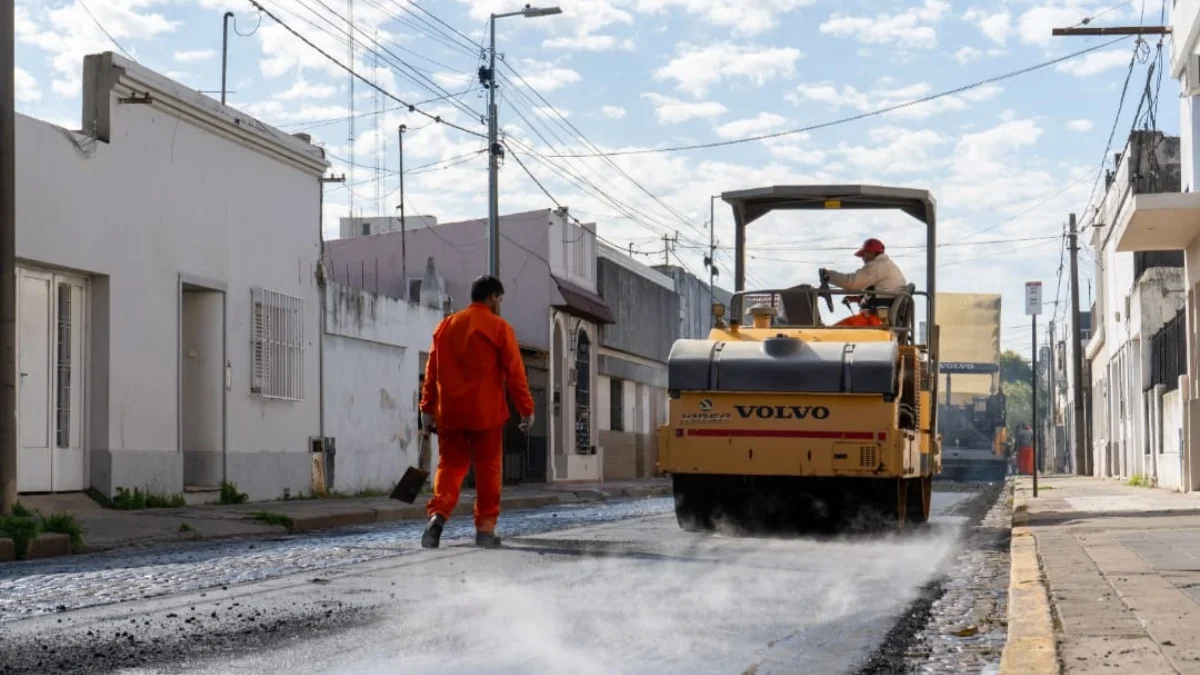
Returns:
<point x="833" y="204"/>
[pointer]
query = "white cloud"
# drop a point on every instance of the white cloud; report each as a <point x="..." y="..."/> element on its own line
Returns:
<point x="303" y="89"/>
<point x="195" y="55"/>
<point x="545" y="76"/>
<point x="753" y="126"/>
<point x="747" y="17"/>
<point x="1080" y="125"/>
<point x="909" y="28"/>
<point x="615" y="112"/>
<point x="967" y="55"/>
<point x="849" y="96"/>
<point x="1095" y="63"/>
<point x="896" y="150"/>
<point x="1035" y="25"/>
<point x="696" y="69"/>
<point x="673" y="111"/>
<point x="996" y="26"/>
<point x="27" y="89"/>
<point x="588" y="43"/>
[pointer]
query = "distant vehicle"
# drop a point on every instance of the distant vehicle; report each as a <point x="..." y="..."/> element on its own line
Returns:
<point x="971" y="402"/>
<point x="778" y="420"/>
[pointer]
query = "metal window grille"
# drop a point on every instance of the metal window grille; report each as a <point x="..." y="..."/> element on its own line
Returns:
<point x="1168" y="353"/>
<point x="277" y="345"/>
<point x="62" y="417"/>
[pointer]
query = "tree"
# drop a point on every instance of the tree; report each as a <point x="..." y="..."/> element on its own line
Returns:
<point x="1016" y="376"/>
<point x="1014" y="368"/>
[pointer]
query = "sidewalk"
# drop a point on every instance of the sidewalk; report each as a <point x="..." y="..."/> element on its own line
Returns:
<point x="1120" y="569"/>
<point x="107" y="528"/>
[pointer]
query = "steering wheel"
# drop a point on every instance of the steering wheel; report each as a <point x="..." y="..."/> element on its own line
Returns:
<point x="823" y="292"/>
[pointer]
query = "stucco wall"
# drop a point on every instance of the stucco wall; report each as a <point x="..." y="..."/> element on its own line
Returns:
<point x="164" y="197"/>
<point x="372" y="371"/>
<point x="459" y="250"/>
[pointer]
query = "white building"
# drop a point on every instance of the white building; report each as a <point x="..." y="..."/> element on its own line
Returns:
<point x="365" y="226"/>
<point x="1137" y="294"/>
<point x="374" y="355"/>
<point x="168" y="305"/>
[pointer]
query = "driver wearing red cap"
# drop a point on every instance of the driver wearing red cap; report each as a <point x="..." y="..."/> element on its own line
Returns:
<point x="879" y="273"/>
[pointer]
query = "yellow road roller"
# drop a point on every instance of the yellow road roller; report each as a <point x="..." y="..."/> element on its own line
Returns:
<point x="780" y="421"/>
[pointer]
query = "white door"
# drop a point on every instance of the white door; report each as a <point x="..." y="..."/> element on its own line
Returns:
<point x="50" y="349"/>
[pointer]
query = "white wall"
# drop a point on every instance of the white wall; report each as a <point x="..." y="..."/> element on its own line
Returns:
<point x="160" y="196"/>
<point x="1170" y="459"/>
<point x="372" y="369"/>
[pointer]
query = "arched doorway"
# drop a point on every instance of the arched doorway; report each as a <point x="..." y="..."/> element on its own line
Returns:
<point x="558" y="391"/>
<point x="583" y="393"/>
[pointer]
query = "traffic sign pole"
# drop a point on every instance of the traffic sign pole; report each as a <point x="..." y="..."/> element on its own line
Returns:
<point x="1033" y="307"/>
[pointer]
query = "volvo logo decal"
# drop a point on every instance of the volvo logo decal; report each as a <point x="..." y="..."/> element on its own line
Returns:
<point x="783" y="412"/>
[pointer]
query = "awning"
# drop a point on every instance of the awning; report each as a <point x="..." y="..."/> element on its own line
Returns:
<point x="1166" y="221"/>
<point x="579" y="301"/>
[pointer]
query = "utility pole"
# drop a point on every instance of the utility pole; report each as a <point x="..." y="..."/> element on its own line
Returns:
<point x="1052" y="396"/>
<point x="487" y="77"/>
<point x="668" y="245"/>
<point x="403" y="243"/>
<point x="711" y="259"/>
<point x="1083" y="454"/>
<point x="225" y="52"/>
<point x="8" y="264"/>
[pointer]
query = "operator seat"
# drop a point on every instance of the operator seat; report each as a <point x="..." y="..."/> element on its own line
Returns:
<point x="799" y="306"/>
<point x="902" y="307"/>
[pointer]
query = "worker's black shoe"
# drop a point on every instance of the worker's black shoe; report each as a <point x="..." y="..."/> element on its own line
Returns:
<point x="487" y="540"/>
<point x="433" y="532"/>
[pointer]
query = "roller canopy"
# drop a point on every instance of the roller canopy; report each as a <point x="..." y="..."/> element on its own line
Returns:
<point x="785" y="365"/>
<point x="750" y="205"/>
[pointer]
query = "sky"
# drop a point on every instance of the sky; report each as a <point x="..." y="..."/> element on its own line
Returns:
<point x="623" y="84"/>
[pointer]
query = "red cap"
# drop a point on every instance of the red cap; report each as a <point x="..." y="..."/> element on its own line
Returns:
<point x="870" y="246"/>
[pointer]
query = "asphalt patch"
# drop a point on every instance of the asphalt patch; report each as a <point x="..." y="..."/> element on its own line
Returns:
<point x="892" y="655"/>
<point x="175" y="640"/>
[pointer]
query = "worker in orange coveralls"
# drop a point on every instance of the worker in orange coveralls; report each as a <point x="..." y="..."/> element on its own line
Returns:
<point x="473" y="362"/>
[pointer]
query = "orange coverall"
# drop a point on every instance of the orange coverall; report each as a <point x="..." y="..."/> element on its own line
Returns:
<point x="861" y="319"/>
<point x="473" y="362"/>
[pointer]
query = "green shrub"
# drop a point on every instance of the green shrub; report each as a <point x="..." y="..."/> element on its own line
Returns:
<point x="230" y="494"/>
<point x="64" y="523"/>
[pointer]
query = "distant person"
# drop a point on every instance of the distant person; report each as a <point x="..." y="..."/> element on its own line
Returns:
<point x="473" y="362"/>
<point x="1025" y="449"/>
<point x="878" y="273"/>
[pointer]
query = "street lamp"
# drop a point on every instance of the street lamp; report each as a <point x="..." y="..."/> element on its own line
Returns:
<point x="489" y="80"/>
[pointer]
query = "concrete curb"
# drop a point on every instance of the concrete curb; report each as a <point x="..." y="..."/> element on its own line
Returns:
<point x="47" y="545"/>
<point x="1031" y="647"/>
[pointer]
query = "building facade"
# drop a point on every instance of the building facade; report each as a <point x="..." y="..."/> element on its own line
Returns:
<point x="1137" y="293"/>
<point x="548" y="267"/>
<point x="168" y="299"/>
<point x="633" y="363"/>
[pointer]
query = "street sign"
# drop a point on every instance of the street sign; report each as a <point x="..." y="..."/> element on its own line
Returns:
<point x="965" y="367"/>
<point x="1033" y="298"/>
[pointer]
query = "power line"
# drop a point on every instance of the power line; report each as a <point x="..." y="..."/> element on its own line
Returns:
<point x="350" y="69"/>
<point x="860" y="116"/>
<point x="104" y="30"/>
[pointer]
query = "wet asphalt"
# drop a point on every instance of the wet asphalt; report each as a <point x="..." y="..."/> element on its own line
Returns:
<point x="612" y="587"/>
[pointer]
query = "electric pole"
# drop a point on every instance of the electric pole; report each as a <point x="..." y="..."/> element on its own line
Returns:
<point x="487" y="77"/>
<point x="8" y="264"/>
<point x="403" y="243"/>
<point x="224" y="52"/>
<point x="1083" y="454"/>
<point x="1052" y="397"/>
<point x="668" y="245"/>
<point x="711" y="259"/>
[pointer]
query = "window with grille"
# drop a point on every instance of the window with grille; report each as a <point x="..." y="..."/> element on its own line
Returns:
<point x="616" y="403"/>
<point x="62" y="416"/>
<point x="276" y="345"/>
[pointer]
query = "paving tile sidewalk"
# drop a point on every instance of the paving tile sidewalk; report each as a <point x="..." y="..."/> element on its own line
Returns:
<point x="106" y="529"/>
<point x="1121" y="566"/>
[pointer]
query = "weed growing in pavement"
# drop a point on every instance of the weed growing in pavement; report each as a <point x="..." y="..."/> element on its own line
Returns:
<point x="184" y="527"/>
<point x="1138" y="480"/>
<point x="230" y="494"/>
<point x="23" y="526"/>
<point x="273" y="518"/>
